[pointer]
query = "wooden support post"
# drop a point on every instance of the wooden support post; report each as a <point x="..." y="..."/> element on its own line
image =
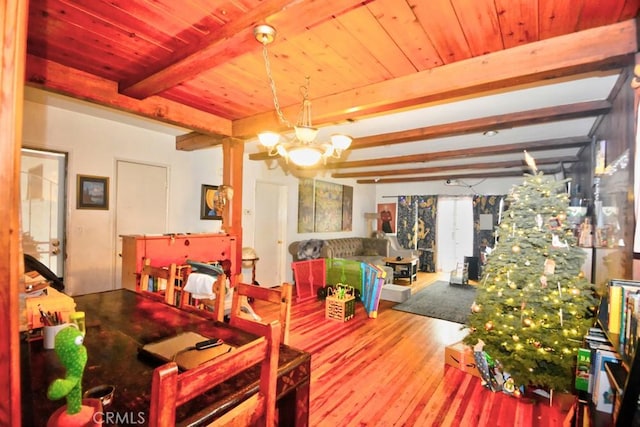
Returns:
<point x="13" y="39"/>
<point x="233" y="152"/>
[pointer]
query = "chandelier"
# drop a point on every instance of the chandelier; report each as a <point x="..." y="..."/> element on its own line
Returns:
<point x="301" y="148"/>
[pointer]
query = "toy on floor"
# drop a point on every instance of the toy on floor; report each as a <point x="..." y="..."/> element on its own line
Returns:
<point x="73" y="355"/>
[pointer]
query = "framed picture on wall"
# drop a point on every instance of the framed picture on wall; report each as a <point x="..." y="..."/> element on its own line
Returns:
<point x="387" y="217"/>
<point x="92" y="192"/>
<point x="208" y="194"/>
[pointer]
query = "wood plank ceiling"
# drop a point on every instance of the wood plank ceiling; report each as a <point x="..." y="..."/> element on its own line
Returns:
<point x="415" y="82"/>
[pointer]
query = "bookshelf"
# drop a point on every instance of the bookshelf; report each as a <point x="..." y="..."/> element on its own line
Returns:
<point x="624" y="377"/>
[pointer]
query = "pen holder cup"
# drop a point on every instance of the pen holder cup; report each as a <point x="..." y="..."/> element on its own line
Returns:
<point x="50" y="332"/>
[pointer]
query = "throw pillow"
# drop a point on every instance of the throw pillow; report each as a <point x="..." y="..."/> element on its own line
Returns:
<point x="310" y="249"/>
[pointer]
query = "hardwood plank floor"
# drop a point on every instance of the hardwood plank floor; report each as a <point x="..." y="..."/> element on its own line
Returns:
<point x="390" y="371"/>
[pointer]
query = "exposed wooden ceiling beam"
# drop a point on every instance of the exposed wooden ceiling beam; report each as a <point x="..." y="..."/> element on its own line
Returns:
<point x="465" y="127"/>
<point x="505" y="174"/>
<point x="436" y="169"/>
<point x="497" y="122"/>
<point x="466" y="152"/>
<point x="599" y="48"/>
<point x="54" y="77"/>
<point x="228" y="43"/>
<point x="196" y="141"/>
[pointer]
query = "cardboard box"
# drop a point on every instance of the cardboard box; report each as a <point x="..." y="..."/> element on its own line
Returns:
<point x="460" y="356"/>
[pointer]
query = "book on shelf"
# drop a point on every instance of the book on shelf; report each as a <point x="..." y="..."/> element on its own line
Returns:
<point x="630" y="332"/>
<point x="603" y="393"/>
<point x="597" y="335"/>
<point x="624" y="308"/>
<point x="583" y="369"/>
<point x="615" y="306"/>
<point x="593" y="347"/>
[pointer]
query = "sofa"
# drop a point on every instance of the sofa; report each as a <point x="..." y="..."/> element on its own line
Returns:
<point x="345" y="255"/>
<point x="354" y="250"/>
<point x="363" y="249"/>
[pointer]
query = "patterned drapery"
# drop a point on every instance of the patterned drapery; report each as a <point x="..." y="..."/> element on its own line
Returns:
<point x="406" y="227"/>
<point x="489" y="205"/>
<point x="417" y="227"/>
<point x="427" y="206"/>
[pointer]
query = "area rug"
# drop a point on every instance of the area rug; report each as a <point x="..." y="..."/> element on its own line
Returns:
<point x="441" y="301"/>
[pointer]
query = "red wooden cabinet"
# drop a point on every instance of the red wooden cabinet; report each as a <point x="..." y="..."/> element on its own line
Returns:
<point x="164" y="250"/>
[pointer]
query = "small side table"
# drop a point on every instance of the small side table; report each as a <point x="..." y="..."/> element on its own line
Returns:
<point x="404" y="268"/>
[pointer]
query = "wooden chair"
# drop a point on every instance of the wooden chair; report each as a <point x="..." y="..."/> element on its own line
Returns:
<point x="168" y="274"/>
<point x="243" y="291"/>
<point x="217" y="304"/>
<point x="171" y="388"/>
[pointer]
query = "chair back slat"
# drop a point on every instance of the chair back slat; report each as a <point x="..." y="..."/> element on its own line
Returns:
<point x="282" y="296"/>
<point x="171" y="388"/>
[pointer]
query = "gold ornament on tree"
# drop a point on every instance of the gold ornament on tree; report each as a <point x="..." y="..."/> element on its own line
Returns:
<point x="489" y="325"/>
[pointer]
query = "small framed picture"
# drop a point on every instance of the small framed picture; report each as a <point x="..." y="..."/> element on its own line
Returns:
<point x="92" y="192"/>
<point x="208" y="195"/>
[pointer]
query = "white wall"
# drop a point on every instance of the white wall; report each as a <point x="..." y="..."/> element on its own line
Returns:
<point x="95" y="139"/>
<point x="363" y="201"/>
<point x="93" y="145"/>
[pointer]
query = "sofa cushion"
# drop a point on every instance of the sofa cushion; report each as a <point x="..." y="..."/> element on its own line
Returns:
<point x="370" y="247"/>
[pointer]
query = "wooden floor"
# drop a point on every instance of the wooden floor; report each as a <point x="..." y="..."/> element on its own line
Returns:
<point x="390" y="371"/>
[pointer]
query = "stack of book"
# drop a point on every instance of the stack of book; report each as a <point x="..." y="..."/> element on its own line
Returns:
<point x="593" y="358"/>
<point x="623" y="313"/>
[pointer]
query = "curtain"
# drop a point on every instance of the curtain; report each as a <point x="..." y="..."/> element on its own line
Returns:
<point x="417" y="227"/>
<point x="486" y="205"/>
<point x="427" y="232"/>
<point x="406" y="227"/>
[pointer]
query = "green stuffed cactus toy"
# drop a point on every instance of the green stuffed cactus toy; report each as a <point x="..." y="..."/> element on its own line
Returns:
<point x="73" y="355"/>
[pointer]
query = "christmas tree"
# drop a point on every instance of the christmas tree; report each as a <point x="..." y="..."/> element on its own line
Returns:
<point x="533" y="305"/>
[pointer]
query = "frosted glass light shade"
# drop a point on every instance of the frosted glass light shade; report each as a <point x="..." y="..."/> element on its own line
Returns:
<point x="341" y="142"/>
<point x="304" y="155"/>
<point x="268" y="139"/>
<point x="306" y="133"/>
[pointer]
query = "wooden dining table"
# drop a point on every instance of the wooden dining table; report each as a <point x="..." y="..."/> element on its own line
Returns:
<point x="118" y="324"/>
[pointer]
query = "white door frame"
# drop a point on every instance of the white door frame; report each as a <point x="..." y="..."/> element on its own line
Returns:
<point x="274" y="272"/>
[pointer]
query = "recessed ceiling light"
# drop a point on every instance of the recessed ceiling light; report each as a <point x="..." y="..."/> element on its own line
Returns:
<point x="490" y="133"/>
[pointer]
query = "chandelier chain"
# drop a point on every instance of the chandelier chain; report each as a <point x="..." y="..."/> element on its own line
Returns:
<point x="272" y="84"/>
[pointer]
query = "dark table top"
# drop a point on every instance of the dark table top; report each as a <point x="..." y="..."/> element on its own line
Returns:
<point x="119" y="323"/>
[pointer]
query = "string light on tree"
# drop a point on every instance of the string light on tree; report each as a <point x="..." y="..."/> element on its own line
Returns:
<point x="538" y="304"/>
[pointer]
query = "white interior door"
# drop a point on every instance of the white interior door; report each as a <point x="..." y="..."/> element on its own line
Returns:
<point x="141" y="204"/>
<point x="42" y="198"/>
<point x="455" y="231"/>
<point x="270" y="226"/>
